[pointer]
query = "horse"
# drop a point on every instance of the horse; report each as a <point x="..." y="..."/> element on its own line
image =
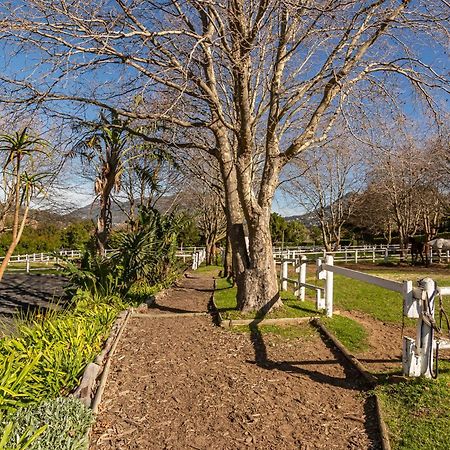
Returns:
<point x="438" y="245"/>
<point x="417" y="248"/>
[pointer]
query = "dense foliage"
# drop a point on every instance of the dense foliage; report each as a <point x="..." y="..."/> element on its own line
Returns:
<point x="48" y="237"/>
<point x="66" y="422"/>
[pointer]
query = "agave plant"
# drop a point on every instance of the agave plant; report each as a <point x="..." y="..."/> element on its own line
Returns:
<point x="148" y="253"/>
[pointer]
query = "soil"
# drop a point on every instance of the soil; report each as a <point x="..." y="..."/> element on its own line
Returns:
<point x="183" y="383"/>
<point x="384" y="354"/>
<point x="385" y="343"/>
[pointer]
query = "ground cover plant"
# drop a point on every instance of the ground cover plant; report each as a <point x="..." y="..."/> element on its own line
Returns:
<point x="58" y="424"/>
<point x="43" y="361"/>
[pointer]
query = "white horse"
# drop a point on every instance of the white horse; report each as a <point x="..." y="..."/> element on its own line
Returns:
<point x="439" y="245"/>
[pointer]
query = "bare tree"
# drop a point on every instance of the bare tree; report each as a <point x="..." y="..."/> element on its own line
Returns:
<point x="330" y="179"/>
<point x="256" y="82"/>
<point x="211" y="220"/>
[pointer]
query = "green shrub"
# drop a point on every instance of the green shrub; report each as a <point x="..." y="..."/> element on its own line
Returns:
<point x="57" y="424"/>
<point x="47" y="357"/>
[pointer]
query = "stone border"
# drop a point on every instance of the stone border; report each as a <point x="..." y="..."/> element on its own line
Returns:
<point x="370" y="379"/>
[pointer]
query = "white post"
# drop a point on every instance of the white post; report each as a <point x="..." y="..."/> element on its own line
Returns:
<point x="28" y="264"/>
<point x="284" y="275"/>
<point x="373" y="255"/>
<point x="320" y="303"/>
<point x="386" y="255"/>
<point x="424" y="340"/>
<point x="329" y="260"/>
<point x="302" y="278"/>
<point x="356" y="256"/>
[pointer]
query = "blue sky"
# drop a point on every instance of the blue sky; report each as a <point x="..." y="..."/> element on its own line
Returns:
<point x="22" y="64"/>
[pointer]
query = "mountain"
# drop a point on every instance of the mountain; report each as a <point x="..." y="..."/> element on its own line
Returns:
<point x="308" y="219"/>
<point x="163" y="204"/>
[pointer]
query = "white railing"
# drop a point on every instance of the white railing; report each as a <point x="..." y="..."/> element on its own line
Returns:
<point x="355" y="254"/>
<point x="47" y="261"/>
<point x="419" y="303"/>
<point x="300" y="284"/>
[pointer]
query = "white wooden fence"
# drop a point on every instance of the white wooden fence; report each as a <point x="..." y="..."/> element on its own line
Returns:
<point x="420" y="354"/>
<point x="354" y="254"/>
<point x="49" y="261"/>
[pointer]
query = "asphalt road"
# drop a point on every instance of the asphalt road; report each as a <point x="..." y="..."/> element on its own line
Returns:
<point x="26" y="293"/>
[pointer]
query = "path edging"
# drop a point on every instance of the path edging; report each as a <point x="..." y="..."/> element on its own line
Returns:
<point x="370" y="379"/>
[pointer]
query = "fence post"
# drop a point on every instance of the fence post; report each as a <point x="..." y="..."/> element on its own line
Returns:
<point x="284" y="275"/>
<point x="329" y="260"/>
<point x="302" y="278"/>
<point x="356" y="256"/>
<point x="28" y="264"/>
<point x="386" y="254"/>
<point x="373" y="255"/>
<point x="425" y="330"/>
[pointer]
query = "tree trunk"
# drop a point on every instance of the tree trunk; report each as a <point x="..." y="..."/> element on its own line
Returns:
<point x="209" y="252"/>
<point x="14" y="242"/>
<point x="227" y="260"/>
<point x="234" y="215"/>
<point x="258" y="285"/>
<point x="104" y="220"/>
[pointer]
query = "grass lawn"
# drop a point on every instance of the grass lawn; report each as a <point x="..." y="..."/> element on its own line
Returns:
<point x="225" y="298"/>
<point x="417" y="412"/>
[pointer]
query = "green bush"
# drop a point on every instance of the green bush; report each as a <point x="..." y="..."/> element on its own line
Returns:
<point x="57" y="424"/>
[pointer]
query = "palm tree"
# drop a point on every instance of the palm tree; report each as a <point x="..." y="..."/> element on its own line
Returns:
<point x="23" y="185"/>
<point x="104" y="146"/>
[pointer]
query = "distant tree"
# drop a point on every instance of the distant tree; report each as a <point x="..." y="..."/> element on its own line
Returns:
<point x="329" y="179"/>
<point x="278" y="226"/>
<point x="211" y="220"/>
<point x="290" y="232"/>
<point x="76" y="235"/>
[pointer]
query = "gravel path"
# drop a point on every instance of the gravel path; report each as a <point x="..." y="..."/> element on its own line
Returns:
<point x="182" y="383"/>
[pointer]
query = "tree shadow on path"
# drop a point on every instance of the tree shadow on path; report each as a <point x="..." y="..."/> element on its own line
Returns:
<point x="351" y="381"/>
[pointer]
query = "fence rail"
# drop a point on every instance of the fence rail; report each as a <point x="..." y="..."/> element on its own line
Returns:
<point x="49" y="260"/>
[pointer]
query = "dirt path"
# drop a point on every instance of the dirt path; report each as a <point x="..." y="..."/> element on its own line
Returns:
<point x="182" y="383"/>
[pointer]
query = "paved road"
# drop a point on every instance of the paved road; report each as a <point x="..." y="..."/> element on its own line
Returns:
<point x="22" y="293"/>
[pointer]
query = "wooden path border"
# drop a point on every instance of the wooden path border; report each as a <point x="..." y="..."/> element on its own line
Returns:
<point x="370" y="379"/>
